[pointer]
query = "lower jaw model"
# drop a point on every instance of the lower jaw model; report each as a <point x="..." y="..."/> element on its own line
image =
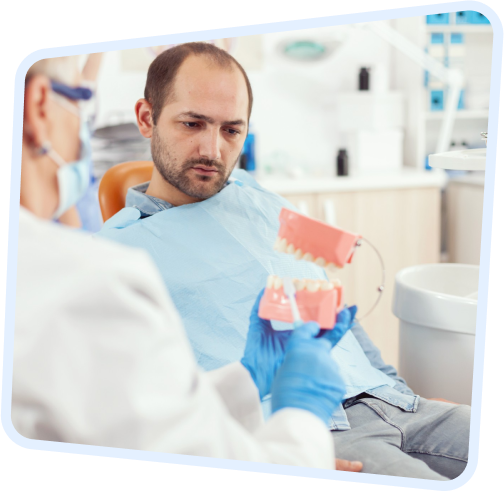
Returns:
<point x="317" y="301"/>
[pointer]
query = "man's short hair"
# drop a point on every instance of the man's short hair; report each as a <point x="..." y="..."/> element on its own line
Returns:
<point x="163" y="70"/>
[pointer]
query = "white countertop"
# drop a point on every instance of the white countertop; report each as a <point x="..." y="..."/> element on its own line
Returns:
<point x="467" y="159"/>
<point x="403" y="179"/>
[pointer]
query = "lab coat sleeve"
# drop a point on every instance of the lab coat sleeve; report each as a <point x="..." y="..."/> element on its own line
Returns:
<point x="109" y="364"/>
<point x="239" y="392"/>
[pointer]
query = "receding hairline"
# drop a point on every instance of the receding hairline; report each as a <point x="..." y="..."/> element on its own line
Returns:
<point x="224" y="65"/>
<point x="163" y="72"/>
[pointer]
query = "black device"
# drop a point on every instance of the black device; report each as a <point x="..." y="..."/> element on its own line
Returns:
<point x="364" y="79"/>
<point x="342" y="163"/>
<point x="242" y="164"/>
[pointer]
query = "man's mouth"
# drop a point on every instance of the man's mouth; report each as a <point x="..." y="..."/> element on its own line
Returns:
<point x="204" y="170"/>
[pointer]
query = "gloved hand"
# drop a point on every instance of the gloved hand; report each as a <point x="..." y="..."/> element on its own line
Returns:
<point x="265" y="347"/>
<point x="308" y="378"/>
<point x="264" y="350"/>
<point x="344" y="321"/>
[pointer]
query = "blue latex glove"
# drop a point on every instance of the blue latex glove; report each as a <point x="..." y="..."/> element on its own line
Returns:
<point x="308" y="378"/>
<point x="264" y="350"/>
<point x="265" y="347"/>
<point x="344" y="321"/>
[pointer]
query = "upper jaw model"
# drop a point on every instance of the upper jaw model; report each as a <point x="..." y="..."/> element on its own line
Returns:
<point x="309" y="240"/>
<point x="313" y="240"/>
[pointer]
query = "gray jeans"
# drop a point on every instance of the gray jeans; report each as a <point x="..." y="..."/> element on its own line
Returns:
<point x="432" y="443"/>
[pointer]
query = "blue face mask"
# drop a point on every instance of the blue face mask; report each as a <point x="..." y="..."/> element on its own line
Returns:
<point x="74" y="177"/>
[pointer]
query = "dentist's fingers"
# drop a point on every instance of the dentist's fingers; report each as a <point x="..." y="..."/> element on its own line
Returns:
<point x="306" y="330"/>
<point x="255" y="308"/>
<point x="353" y="312"/>
<point x="346" y="465"/>
<point x="344" y="323"/>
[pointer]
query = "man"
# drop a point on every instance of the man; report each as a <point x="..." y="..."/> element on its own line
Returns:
<point x="100" y="355"/>
<point x="211" y="233"/>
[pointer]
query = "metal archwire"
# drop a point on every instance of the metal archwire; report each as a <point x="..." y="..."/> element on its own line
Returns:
<point x="382" y="286"/>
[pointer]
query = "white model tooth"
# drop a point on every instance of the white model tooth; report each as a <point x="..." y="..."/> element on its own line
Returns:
<point x="276" y="245"/>
<point x="300" y="284"/>
<point x="290" y="249"/>
<point x="325" y="285"/>
<point x="282" y="246"/>
<point x="320" y="261"/>
<point x="331" y="266"/>
<point x="312" y="286"/>
<point x="270" y="281"/>
<point x="307" y="257"/>
<point x="336" y="282"/>
<point x="277" y="283"/>
<point x="298" y="254"/>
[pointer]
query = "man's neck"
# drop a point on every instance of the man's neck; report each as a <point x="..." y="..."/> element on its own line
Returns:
<point x="160" y="188"/>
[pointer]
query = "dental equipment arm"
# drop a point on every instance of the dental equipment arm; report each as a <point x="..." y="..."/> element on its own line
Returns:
<point x="452" y="77"/>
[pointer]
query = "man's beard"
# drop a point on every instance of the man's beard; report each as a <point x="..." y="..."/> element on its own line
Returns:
<point x="177" y="175"/>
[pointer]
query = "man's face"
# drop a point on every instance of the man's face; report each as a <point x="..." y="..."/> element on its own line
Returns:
<point x="201" y="130"/>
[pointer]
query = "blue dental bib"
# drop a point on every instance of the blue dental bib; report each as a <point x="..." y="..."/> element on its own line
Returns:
<point x="214" y="257"/>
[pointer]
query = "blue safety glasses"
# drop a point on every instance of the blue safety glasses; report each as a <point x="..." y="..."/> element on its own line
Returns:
<point x="82" y="95"/>
<point x="73" y="93"/>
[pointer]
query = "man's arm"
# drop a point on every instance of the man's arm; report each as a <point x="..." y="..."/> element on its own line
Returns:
<point x="374" y="356"/>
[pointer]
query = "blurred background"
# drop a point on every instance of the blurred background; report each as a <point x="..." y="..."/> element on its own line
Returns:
<point x="342" y="124"/>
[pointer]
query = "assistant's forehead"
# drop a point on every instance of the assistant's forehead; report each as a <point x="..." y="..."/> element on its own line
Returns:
<point x="201" y="80"/>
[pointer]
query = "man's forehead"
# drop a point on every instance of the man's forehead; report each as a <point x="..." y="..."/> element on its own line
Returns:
<point x="200" y="76"/>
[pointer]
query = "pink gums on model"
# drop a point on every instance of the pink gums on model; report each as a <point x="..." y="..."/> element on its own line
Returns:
<point x="320" y="306"/>
<point x="312" y="236"/>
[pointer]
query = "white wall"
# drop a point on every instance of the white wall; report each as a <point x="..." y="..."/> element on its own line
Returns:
<point x="293" y="114"/>
<point x="118" y="90"/>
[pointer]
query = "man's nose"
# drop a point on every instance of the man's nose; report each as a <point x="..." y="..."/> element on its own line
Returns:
<point x="210" y="144"/>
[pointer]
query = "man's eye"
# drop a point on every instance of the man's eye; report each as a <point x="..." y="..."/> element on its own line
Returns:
<point x="190" y="124"/>
<point x="232" y="131"/>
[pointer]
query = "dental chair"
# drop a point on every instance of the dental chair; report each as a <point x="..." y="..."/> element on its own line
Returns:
<point x="117" y="180"/>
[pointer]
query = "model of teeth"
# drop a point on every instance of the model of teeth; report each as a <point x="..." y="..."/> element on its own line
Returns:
<point x="281" y="245"/>
<point x="314" y="241"/>
<point x="275" y="282"/>
<point x="317" y="300"/>
<point x="298" y="254"/>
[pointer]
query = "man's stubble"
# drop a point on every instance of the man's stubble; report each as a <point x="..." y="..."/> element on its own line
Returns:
<point x="177" y="175"/>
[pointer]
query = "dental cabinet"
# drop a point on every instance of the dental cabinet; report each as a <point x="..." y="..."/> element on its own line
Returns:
<point x="398" y="212"/>
<point x="464" y="210"/>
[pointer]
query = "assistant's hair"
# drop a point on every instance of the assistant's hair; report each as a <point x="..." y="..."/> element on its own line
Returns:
<point x="61" y="69"/>
<point x="163" y="70"/>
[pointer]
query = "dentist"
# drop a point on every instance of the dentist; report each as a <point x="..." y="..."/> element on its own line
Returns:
<point x="100" y="353"/>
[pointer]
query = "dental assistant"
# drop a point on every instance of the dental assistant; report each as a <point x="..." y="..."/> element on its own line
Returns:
<point x="100" y="353"/>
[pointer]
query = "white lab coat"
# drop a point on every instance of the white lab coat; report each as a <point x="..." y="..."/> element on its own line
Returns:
<point x="101" y="358"/>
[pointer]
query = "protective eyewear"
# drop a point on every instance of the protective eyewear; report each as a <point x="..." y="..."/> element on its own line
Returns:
<point x="86" y="104"/>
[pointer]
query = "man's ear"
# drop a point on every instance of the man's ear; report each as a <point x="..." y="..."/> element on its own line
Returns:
<point x="36" y="100"/>
<point x="143" y="111"/>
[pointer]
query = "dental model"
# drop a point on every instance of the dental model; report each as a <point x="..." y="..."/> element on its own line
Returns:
<point x="312" y="240"/>
<point x="317" y="300"/>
